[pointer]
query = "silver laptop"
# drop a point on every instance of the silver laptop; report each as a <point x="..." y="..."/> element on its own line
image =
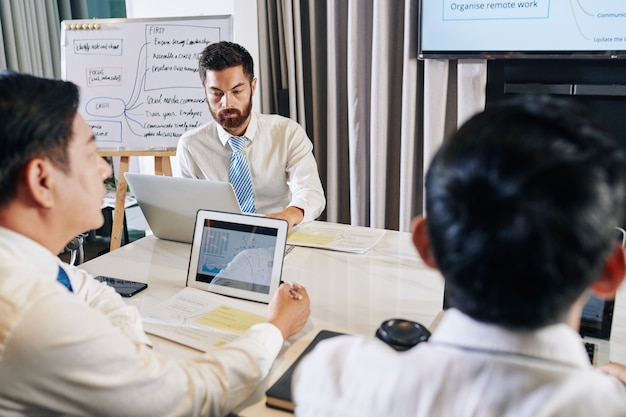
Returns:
<point x="170" y="204"/>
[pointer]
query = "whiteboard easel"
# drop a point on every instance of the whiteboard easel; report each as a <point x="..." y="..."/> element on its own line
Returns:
<point x="162" y="166"/>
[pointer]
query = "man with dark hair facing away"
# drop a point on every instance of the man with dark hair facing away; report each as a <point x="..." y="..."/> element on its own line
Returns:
<point x="521" y="208"/>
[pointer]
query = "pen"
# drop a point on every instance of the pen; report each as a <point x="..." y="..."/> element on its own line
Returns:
<point x="294" y="294"/>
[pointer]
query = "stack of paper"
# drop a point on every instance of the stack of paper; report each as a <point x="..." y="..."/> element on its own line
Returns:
<point x="201" y="319"/>
<point x="335" y="236"/>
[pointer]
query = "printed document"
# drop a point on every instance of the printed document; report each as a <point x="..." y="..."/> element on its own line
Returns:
<point x="201" y="319"/>
<point x="335" y="236"/>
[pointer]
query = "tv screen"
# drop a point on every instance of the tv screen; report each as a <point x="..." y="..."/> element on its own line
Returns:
<point x="522" y="28"/>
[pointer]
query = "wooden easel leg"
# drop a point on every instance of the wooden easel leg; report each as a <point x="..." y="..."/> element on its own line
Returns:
<point x="120" y="200"/>
<point x="162" y="165"/>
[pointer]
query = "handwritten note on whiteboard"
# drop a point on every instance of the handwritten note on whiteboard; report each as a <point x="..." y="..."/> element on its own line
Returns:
<point x="139" y="81"/>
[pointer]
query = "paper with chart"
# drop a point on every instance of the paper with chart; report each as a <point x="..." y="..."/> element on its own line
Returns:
<point x="201" y="319"/>
<point x="335" y="236"/>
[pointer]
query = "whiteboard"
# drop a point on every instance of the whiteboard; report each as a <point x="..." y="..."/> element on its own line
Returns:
<point x="138" y="78"/>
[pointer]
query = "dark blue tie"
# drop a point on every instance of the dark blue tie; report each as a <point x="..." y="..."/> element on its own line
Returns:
<point x="63" y="279"/>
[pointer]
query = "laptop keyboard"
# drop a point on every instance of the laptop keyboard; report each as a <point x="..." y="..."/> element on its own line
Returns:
<point x="591" y="351"/>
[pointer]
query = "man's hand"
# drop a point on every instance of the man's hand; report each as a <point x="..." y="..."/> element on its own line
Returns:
<point x="292" y="214"/>
<point x="289" y="309"/>
<point x="616" y="369"/>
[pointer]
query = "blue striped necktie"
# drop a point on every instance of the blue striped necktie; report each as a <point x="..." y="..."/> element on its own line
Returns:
<point x="240" y="175"/>
<point x="64" y="279"/>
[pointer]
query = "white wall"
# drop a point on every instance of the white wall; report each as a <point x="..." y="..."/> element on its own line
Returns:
<point x="245" y="32"/>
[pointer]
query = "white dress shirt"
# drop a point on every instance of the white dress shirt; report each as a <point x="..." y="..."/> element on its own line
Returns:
<point x="466" y="369"/>
<point x="85" y="353"/>
<point x="279" y="153"/>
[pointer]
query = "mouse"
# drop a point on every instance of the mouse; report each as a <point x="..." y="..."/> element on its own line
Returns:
<point x="402" y="334"/>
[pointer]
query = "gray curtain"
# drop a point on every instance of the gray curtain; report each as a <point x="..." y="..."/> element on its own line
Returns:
<point x="347" y="70"/>
<point x="30" y="34"/>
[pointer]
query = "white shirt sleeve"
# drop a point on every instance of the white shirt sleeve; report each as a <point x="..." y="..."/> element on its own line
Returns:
<point x="69" y="355"/>
<point x="103" y="298"/>
<point x="69" y="358"/>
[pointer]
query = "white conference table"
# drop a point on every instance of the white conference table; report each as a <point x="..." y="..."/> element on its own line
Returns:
<point x="349" y="293"/>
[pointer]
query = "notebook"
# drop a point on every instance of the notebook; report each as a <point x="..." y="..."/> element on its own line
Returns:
<point x="239" y="255"/>
<point x="279" y="394"/>
<point x="170" y="204"/>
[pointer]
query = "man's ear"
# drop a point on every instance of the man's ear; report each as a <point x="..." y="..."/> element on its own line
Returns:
<point x="612" y="276"/>
<point x="39" y="180"/>
<point x="253" y="86"/>
<point x="421" y="241"/>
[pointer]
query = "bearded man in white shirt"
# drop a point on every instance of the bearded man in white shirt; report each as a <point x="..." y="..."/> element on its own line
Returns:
<point x="69" y="345"/>
<point x="279" y="154"/>
<point x="522" y="204"/>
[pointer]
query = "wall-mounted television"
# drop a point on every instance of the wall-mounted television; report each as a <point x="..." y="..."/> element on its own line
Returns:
<point x="522" y="29"/>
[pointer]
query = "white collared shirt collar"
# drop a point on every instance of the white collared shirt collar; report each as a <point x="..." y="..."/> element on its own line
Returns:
<point x="557" y="343"/>
<point x="249" y="133"/>
<point x="29" y="251"/>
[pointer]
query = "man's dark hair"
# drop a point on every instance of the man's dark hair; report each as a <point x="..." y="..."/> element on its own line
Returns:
<point x="36" y="116"/>
<point x="522" y="204"/>
<point x="219" y="56"/>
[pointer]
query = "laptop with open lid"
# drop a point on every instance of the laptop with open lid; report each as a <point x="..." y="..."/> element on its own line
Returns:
<point x="597" y="319"/>
<point x="239" y="255"/>
<point x="170" y="204"/>
<point x="595" y="328"/>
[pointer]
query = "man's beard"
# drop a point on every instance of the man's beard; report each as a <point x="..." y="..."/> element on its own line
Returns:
<point x="232" y="122"/>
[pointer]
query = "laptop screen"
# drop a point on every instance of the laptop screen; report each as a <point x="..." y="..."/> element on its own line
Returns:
<point x="597" y="318"/>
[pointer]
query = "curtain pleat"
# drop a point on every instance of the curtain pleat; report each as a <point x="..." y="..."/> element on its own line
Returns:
<point x="31" y="33"/>
<point x="9" y="34"/>
<point x="315" y="62"/>
<point x="435" y="100"/>
<point x="52" y="19"/>
<point x="360" y="104"/>
<point x="3" y="58"/>
<point x="412" y="122"/>
<point x="337" y="181"/>
<point x="471" y="82"/>
<point x="387" y="134"/>
<point x="296" y="82"/>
